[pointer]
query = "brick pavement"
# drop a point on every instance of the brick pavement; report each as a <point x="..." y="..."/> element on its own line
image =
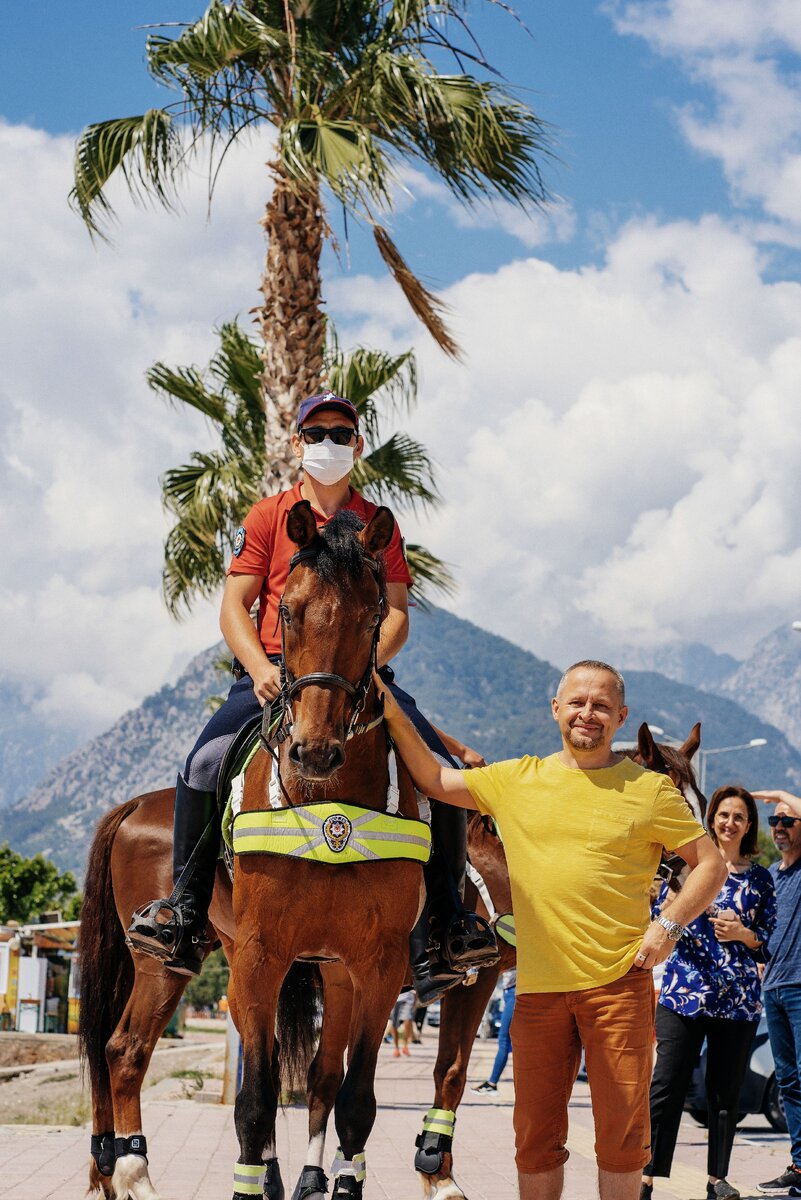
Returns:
<point x="193" y="1146"/>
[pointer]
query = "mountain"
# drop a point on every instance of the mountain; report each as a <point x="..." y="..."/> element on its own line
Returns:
<point x="768" y="683"/>
<point x="28" y="746"/>
<point x="484" y="689"/>
<point x="686" y="662"/>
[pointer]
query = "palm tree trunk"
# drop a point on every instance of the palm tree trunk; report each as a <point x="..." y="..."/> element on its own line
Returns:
<point x="291" y="318"/>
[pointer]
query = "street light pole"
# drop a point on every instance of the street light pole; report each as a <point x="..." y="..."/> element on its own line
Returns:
<point x="752" y="745"/>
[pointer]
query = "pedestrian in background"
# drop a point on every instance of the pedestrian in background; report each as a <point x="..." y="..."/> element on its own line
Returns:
<point x="508" y="981"/>
<point x="711" y="990"/>
<point x="402" y="1015"/>
<point x="781" y="983"/>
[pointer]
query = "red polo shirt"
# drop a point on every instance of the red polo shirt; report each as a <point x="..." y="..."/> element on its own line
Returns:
<point x="267" y="549"/>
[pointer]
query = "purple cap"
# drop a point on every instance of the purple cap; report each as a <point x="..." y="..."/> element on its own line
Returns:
<point x="326" y="400"/>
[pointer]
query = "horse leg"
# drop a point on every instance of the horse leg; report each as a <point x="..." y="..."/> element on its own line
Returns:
<point x="460" y="1016"/>
<point x="257" y="982"/>
<point x="102" y="1165"/>
<point x="152" y="1002"/>
<point x="376" y="986"/>
<point x="325" y="1075"/>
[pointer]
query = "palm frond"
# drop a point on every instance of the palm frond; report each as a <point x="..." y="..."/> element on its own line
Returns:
<point x="146" y="149"/>
<point x="344" y="154"/>
<point x="424" y="304"/>
<point x="184" y="385"/>
<point x="399" y="470"/>
<point x="428" y="573"/>
<point x="367" y="377"/>
<point x="225" y="33"/>
<point x="192" y="569"/>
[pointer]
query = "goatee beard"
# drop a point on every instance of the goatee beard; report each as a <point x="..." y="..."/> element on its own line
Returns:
<point x="581" y="742"/>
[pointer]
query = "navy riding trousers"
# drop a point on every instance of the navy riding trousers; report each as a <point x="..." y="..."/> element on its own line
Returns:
<point x="203" y="764"/>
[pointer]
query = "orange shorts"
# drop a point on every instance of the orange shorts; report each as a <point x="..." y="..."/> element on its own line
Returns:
<point x="615" y="1024"/>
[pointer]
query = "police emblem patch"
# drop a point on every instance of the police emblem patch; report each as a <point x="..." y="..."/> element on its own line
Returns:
<point x="336" y="831"/>
<point x="239" y="541"/>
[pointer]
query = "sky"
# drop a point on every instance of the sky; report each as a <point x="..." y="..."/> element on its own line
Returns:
<point x="618" y="453"/>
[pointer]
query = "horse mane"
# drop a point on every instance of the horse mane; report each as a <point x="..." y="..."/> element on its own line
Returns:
<point x="339" y="553"/>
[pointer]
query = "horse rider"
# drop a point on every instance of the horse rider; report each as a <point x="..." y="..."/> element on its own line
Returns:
<point x="447" y="940"/>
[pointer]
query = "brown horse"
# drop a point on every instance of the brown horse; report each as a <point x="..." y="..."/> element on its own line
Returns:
<point x="462" y="1008"/>
<point x="355" y="917"/>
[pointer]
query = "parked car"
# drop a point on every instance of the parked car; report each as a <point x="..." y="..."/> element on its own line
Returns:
<point x="759" y="1094"/>
<point x="432" y="1014"/>
<point x="490" y="1022"/>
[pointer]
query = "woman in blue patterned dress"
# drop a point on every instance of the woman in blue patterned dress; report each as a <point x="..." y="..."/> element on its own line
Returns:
<point x="711" y="990"/>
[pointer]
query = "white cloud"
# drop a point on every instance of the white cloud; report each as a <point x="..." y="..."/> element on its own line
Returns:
<point x="744" y="54"/>
<point x="619" y="453"/>
<point x="532" y="227"/>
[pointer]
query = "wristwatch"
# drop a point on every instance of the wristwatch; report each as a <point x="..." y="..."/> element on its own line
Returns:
<point x="674" y="930"/>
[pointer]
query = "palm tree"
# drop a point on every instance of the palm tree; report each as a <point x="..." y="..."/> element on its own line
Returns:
<point x="351" y="89"/>
<point x="209" y="495"/>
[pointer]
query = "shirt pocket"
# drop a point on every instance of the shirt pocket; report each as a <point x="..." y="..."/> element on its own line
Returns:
<point x="610" y="831"/>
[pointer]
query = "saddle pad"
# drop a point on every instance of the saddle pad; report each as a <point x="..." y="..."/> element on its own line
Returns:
<point x="332" y="833"/>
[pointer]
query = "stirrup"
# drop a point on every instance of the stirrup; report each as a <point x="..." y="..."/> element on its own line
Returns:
<point x="157" y="937"/>
<point x="469" y="941"/>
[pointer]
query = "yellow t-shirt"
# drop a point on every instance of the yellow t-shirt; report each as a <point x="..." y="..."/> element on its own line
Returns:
<point x="582" y="849"/>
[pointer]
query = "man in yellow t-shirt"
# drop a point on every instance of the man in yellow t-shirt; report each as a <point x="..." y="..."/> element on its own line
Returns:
<point x="583" y="832"/>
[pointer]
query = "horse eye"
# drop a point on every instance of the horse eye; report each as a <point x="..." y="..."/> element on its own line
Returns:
<point x="285" y="616"/>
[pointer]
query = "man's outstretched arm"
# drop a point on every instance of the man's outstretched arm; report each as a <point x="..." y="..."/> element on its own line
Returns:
<point x="430" y="776"/>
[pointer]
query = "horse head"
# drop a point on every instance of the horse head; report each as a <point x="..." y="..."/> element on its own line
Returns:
<point x="331" y="613"/>
<point x="675" y="762"/>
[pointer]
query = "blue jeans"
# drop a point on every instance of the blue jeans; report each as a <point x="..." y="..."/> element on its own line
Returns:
<point x="783" y="1012"/>
<point x="504" y="1038"/>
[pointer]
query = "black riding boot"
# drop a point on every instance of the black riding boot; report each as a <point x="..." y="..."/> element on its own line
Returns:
<point x="447" y="939"/>
<point x="175" y="929"/>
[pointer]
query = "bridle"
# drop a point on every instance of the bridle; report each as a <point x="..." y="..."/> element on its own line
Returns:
<point x="290" y="686"/>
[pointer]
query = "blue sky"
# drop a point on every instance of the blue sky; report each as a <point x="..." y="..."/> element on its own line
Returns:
<point x="609" y="99"/>
<point x="619" y="453"/>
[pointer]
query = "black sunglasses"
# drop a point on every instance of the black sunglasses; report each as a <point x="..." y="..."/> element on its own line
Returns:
<point x="785" y="822"/>
<point x="340" y="435"/>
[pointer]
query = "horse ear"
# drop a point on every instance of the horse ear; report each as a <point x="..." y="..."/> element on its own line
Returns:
<point x="650" y="753"/>
<point x="693" y="741"/>
<point x="378" y="532"/>
<point x="301" y="526"/>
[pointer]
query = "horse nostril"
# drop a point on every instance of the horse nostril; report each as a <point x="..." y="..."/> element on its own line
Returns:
<point x="337" y="757"/>
<point x="294" y="753"/>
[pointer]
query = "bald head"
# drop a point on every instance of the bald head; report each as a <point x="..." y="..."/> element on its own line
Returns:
<point x="594" y="664"/>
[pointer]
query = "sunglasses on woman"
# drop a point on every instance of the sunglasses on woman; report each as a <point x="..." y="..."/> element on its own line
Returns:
<point x="785" y="822"/>
<point x="340" y="435"/>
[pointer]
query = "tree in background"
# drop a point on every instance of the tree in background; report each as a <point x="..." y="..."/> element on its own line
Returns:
<point x="30" y="886"/>
<point x="352" y="91"/>
<point x="205" y="990"/>
<point x="210" y="495"/>
<point x="767" y="849"/>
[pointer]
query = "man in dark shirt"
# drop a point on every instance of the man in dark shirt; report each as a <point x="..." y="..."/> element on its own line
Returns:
<point x="781" y="985"/>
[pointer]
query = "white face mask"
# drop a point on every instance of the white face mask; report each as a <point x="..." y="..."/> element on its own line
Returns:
<point x="326" y="462"/>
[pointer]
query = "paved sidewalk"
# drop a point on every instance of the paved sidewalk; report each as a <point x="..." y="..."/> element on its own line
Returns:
<point x="193" y="1146"/>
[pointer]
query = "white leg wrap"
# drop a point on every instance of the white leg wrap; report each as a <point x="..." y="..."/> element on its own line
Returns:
<point x="447" y="1189"/>
<point x="356" y="1166"/>
<point x="316" y="1150"/>
<point x="131" y="1179"/>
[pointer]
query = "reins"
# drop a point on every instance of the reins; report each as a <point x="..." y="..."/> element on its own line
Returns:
<point x="277" y="728"/>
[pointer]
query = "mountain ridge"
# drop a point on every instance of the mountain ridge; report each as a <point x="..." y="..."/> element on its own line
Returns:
<point x="490" y="693"/>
